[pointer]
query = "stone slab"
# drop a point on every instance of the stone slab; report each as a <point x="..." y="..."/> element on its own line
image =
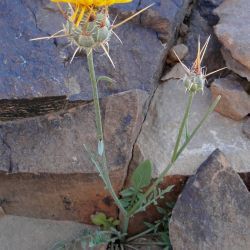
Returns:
<point x="35" y="234"/>
<point x="54" y="143"/>
<point x="159" y="132"/>
<point x="212" y="212"/>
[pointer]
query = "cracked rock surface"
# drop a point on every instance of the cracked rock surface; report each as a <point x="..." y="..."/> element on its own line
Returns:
<point x="54" y="143"/>
<point x="160" y="129"/>
<point x="213" y="210"/>
<point x="41" y="68"/>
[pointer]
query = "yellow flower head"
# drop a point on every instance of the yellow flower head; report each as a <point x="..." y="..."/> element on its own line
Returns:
<point x="81" y="6"/>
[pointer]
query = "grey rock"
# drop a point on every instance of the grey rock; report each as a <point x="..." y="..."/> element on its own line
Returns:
<point x="159" y="131"/>
<point x="206" y="8"/>
<point x="199" y="27"/>
<point x="35" y="234"/>
<point x="41" y="69"/>
<point x="55" y="143"/>
<point x="212" y="211"/>
<point x="233" y="33"/>
<point x="180" y="49"/>
<point x="246" y="127"/>
<point x="177" y="72"/>
<point x="235" y="102"/>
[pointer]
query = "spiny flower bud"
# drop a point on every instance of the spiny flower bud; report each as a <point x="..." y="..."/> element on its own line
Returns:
<point x="90" y="33"/>
<point x="194" y="83"/>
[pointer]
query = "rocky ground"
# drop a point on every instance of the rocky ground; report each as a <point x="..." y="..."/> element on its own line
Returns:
<point x="46" y="116"/>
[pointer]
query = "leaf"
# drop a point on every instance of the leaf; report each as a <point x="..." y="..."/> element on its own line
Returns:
<point x="58" y="246"/>
<point x="116" y="222"/>
<point x="141" y="176"/>
<point x="127" y="192"/>
<point x="168" y="189"/>
<point x="161" y="210"/>
<point x="99" y="219"/>
<point x="100" y="147"/>
<point x="105" y="79"/>
<point x="149" y="225"/>
<point x="125" y="202"/>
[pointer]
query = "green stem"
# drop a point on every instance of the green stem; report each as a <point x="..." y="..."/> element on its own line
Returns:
<point x="164" y="173"/>
<point x="99" y="131"/>
<point x="209" y="111"/>
<point x="142" y="233"/>
<point x="98" y="117"/>
<point x="183" y="124"/>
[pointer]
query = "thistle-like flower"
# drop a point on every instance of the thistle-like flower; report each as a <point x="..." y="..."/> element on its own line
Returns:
<point x="88" y="24"/>
<point x="195" y="78"/>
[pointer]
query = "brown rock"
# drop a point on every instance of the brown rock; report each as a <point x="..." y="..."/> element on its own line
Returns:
<point x="233" y="33"/>
<point x="67" y="185"/>
<point x="234" y="65"/>
<point x="235" y="102"/>
<point x="177" y="72"/>
<point x="213" y="210"/>
<point x="150" y="215"/>
<point x="180" y="49"/>
<point x="58" y="196"/>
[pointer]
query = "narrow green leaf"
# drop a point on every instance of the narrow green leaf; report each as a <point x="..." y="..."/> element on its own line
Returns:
<point x="168" y="189"/>
<point x="161" y="210"/>
<point x="141" y="176"/>
<point x="105" y="79"/>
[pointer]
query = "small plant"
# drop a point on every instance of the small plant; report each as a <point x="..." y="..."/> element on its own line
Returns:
<point x="88" y="27"/>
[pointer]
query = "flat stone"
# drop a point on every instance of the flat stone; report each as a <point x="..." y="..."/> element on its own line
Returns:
<point x="233" y="33"/>
<point x="52" y="175"/>
<point x="39" y="71"/>
<point x="246" y="127"/>
<point x="177" y="72"/>
<point x="159" y="132"/>
<point x="54" y="143"/>
<point x="180" y="49"/>
<point x="73" y="197"/>
<point x="35" y="234"/>
<point x="216" y="203"/>
<point x="234" y="65"/>
<point x="235" y="102"/>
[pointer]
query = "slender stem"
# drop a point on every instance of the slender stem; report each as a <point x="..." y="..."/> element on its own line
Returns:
<point x="164" y="173"/>
<point x="183" y="124"/>
<point x="141" y="234"/>
<point x="92" y="76"/>
<point x="99" y="131"/>
<point x="209" y="111"/>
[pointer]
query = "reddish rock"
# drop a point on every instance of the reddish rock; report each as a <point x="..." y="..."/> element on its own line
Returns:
<point x="61" y="197"/>
<point x="150" y="215"/>
<point x="180" y="49"/>
<point x="45" y="171"/>
<point x="235" y="102"/>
